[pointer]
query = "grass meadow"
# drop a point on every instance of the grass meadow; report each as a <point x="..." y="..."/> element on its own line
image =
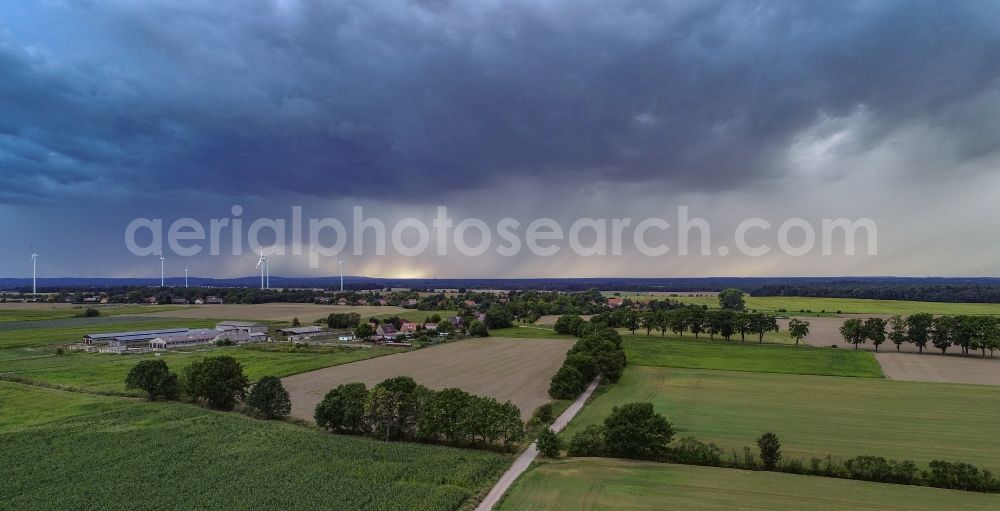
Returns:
<point x="38" y="312"/>
<point x="63" y="450"/>
<point x="688" y="352"/>
<point x="42" y="332"/>
<point x="606" y="484"/>
<point x="816" y="415"/>
<point x="794" y="304"/>
<point x="99" y="372"/>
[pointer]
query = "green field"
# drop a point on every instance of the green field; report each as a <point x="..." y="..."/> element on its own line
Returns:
<point x="99" y="372"/>
<point x="64" y="450"/>
<point x="41" y="313"/>
<point x="816" y="415"/>
<point x="603" y="484"/>
<point x="849" y="305"/>
<point x="414" y="315"/>
<point x="733" y="356"/>
<point x="529" y="332"/>
<point x="66" y="331"/>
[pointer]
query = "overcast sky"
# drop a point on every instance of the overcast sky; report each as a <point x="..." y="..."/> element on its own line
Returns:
<point x="114" y="110"/>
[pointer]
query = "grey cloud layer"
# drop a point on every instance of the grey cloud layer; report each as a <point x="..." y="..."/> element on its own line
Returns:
<point x="351" y="99"/>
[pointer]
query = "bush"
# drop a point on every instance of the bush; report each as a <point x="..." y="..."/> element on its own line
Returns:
<point x="218" y="380"/>
<point x="549" y="444"/>
<point x="567" y="383"/>
<point x="343" y="409"/>
<point x="153" y="377"/>
<point x="269" y="399"/>
<point x="584" y="363"/>
<point x="770" y="450"/>
<point x="478" y="329"/>
<point x="545" y="414"/>
<point x="91" y="313"/>
<point x="960" y="476"/>
<point x="690" y="451"/>
<point x="878" y="469"/>
<point x="634" y="430"/>
<point x="589" y="442"/>
<point x="225" y="342"/>
<point x="569" y="324"/>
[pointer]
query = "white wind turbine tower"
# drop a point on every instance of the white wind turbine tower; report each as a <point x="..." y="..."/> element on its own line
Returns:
<point x="185" y="276"/>
<point x="162" y="259"/>
<point x="265" y="274"/>
<point x="341" y="275"/>
<point x="34" y="273"/>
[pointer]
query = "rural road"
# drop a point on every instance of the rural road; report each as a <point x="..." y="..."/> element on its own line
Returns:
<point x="524" y="460"/>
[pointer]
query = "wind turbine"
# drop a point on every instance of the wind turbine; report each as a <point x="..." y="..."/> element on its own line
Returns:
<point x="341" y="275"/>
<point x="185" y="276"/>
<point x="162" y="259"/>
<point x="34" y="273"/>
<point x="262" y="264"/>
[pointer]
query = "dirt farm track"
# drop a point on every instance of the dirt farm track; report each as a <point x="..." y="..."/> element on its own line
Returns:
<point x="518" y="370"/>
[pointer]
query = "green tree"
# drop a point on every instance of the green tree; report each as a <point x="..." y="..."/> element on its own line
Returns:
<point x="897" y="331"/>
<point x="394" y="406"/>
<point x="696" y="320"/>
<point x="632" y="320"/>
<point x="296" y="322"/>
<point x="677" y="321"/>
<point x="853" y="332"/>
<point x="218" y="380"/>
<point x="635" y="431"/>
<point x="443" y="415"/>
<point x="363" y="331"/>
<point x="343" y="409"/>
<point x="743" y="323"/>
<point x="647" y="320"/>
<point x="770" y="450"/>
<point x="798" y="329"/>
<point x="875" y="331"/>
<point x="154" y="378"/>
<point x="732" y="299"/>
<point x="918" y="329"/>
<point x="567" y="383"/>
<point x="941" y="332"/>
<point x="760" y="324"/>
<point x="549" y="444"/>
<point x="478" y="329"/>
<point x="269" y="399"/>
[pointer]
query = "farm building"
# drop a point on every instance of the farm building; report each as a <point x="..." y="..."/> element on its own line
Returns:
<point x="242" y="326"/>
<point x="301" y="333"/>
<point x="387" y="330"/>
<point x="191" y="337"/>
<point x="614" y="303"/>
<point x="345" y="336"/>
<point x="213" y="300"/>
<point x="431" y="326"/>
<point x="205" y="336"/>
<point x="409" y="328"/>
<point x="136" y="337"/>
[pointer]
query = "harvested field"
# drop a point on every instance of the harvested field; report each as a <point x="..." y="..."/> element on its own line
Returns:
<point x="306" y="312"/>
<point x="951" y="369"/>
<point x="551" y="319"/>
<point x="506" y="369"/>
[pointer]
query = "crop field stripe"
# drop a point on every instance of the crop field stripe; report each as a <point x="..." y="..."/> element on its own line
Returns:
<point x="171" y="455"/>
<point x="816" y="415"/>
<point x="608" y="484"/>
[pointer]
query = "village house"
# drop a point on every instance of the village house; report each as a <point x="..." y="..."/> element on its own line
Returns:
<point x="386" y="330"/>
<point x="615" y="302"/>
<point x="409" y="328"/>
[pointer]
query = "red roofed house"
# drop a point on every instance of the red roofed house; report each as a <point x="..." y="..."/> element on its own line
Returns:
<point x="614" y="302"/>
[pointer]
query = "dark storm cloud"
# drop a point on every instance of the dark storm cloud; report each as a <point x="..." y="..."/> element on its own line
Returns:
<point x="403" y="99"/>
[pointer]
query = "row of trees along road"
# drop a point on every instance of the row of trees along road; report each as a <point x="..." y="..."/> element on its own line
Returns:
<point x="969" y="333"/>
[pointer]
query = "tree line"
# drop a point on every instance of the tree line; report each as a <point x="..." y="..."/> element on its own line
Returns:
<point x="597" y="352"/>
<point x="218" y="381"/>
<point x="968" y="333"/>
<point x="693" y="319"/>
<point x="400" y="409"/>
